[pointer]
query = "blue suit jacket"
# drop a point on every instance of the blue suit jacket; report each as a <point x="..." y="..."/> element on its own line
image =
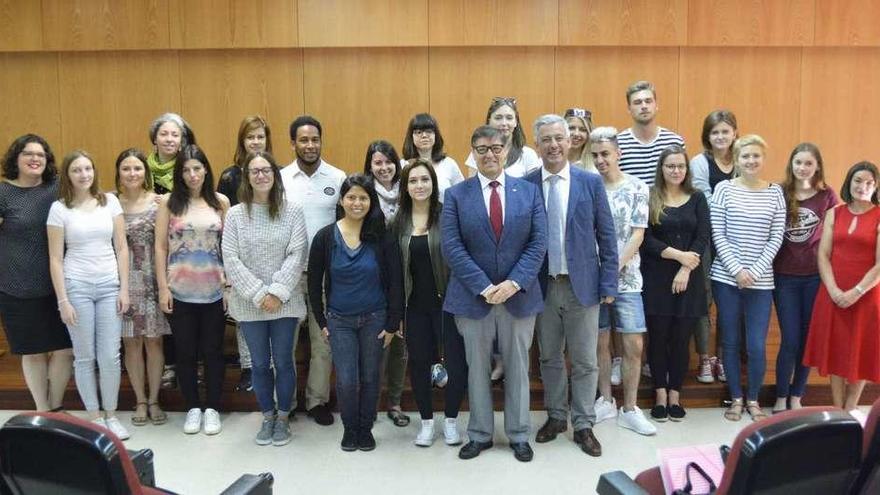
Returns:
<point x="588" y="225"/>
<point x="477" y="260"/>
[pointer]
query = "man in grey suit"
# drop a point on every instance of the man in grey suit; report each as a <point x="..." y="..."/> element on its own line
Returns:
<point x="575" y="277"/>
<point x="494" y="234"/>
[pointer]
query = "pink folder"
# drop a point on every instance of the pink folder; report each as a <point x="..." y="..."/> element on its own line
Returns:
<point x="673" y="462"/>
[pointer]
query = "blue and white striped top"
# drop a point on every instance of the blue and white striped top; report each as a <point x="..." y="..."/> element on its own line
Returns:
<point x="640" y="159"/>
<point x="747" y="230"/>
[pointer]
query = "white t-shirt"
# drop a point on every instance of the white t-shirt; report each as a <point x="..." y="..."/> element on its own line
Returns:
<point x="88" y="238"/>
<point x="527" y="163"/>
<point x="317" y="194"/>
<point x="448" y="175"/>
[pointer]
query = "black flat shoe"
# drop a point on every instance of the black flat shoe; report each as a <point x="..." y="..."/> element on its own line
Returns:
<point x="659" y="413"/>
<point x="398" y="418"/>
<point x="365" y="441"/>
<point x="676" y="412"/>
<point x="349" y="441"/>
<point x="522" y="451"/>
<point x="473" y="449"/>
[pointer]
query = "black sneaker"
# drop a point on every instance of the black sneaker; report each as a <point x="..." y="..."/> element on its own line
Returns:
<point x="349" y="440"/>
<point x="365" y="440"/>
<point x="245" y="383"/>
<point x="321" y="414"/>
<point x="676" y="412"/>
<point x="659" y="413"/>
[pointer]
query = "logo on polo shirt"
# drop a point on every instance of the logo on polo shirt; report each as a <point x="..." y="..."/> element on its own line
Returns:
<point x="329" y="191"/>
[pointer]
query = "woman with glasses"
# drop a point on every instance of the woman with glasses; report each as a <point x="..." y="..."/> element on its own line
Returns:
<point x="424" y="140"/>
<point x="504" y="116"/>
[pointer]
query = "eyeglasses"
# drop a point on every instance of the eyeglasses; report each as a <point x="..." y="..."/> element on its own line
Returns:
<point x="497" y="149"/>
<point x="423" y="132"/>
<point x="254" y="172"/>
<point x="34" y="154"/>
<point x="578" y="112"/>
<point x="673" y="168"/>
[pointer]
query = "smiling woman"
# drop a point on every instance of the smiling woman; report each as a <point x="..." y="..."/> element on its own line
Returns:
<point x="520" y="159"/>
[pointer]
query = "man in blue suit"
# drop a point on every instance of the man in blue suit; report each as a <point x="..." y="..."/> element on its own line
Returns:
<point x="494" y="234"/>
<point x="575" y="278"/>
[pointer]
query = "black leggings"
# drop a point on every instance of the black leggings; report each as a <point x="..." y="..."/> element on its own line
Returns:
<point x="425" y="330"/>
<point x="668" y="354"/>
<point x="199" y="328"/>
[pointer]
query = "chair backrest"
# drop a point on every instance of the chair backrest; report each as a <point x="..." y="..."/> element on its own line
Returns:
<point x="868" y="480"/>
<point x="805" y="451"/>
<point x="52" y="453"/>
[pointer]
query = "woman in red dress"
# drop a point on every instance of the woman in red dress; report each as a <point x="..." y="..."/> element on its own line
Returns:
<point x="844" y="338"/>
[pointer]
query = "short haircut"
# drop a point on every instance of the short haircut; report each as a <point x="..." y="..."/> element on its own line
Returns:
<point x="187" y="136"/>
<point x="748" y="140"/>
<point x="640" y="86"/>
<point x="487" y="132"/>
<point x="550" y="119"/>
<point x="846" y="194"/>
<point x="10" y="159"/>
<point x="304" y="120"/>
<point x="390" y="153"/>
<point x="604" y="135"/>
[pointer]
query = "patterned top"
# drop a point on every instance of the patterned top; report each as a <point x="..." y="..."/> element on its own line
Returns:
<point x="195" y="266"/>
<point x="640" y="159"/>
<point x="629" y="207"/>
<point x="24" y="248"/>
<point x="144" y="317"/>
<point x="800" y="246"/>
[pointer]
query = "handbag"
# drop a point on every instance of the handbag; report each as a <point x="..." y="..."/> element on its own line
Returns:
<point x="688" y="487"/>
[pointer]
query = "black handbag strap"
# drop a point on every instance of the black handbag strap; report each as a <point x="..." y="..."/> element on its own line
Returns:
<point x="688" y="488"/>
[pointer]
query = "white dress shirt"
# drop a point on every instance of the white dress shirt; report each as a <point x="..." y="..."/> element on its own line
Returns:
<point x="487" y="192"/>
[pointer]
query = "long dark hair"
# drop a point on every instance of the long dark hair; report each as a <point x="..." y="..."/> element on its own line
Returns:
<point x="246" y="191"/>
<point x="423" y="122"/>
<point x="178" y="202"/>
<point x="390" y="153"/>
<point x="10" y="159"/>
<point x="518" y="136"/>
<point x="789" y="185"/>
<point x="657" y="195"/>
<point x="373" y="227"/>
<point x="846" y="194"/>
<point x="404" y="214"/>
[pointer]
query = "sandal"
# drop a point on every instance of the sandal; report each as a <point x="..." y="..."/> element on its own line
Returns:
<point x="157" y="415"/>
<point x="138" y="418"/>
<point x="735" y="411"/>
<point x="755" y="411"/>
<point x="398" y="418"/>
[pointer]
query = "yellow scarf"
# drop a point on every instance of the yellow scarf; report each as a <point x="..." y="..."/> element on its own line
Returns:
<point x="163" y="173"/>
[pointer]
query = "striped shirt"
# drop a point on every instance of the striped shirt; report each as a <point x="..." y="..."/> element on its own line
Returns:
<point x="747" y="229"/>
<point x="640" y="159"/>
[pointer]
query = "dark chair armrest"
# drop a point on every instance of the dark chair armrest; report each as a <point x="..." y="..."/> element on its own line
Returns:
<point x="618" y="483"/>
<point x="251" y="484"/>
<point x="725" y="451"/>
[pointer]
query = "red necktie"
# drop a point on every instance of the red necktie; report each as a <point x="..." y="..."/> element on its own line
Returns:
<point x="495" y="209"/>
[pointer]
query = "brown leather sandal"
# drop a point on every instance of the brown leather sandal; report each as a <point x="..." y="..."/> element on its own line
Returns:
<point x="138" y="419"/>
<point x="735" y="411"/>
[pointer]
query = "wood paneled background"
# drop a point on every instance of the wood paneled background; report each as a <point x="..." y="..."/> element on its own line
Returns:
<point x="92" y="74"/>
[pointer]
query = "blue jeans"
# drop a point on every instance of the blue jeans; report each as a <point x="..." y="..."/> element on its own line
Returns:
<point x="96" y="336"/>
<point x="272" y="341"/>
<point x="357" y="355"/>
<point x="752" y="305"/>
<point x="794" y="296"/>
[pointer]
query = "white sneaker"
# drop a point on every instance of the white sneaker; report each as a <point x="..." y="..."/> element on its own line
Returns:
<point x="193" y="423"/>
<point x="859" y="416"/>
<point x="116" y="427"/>
<point x="604" y="409"/>
<point x="212" y="422"/>
<point x="100" y="422"/>
<point x="636" y="421"/>
<point x="450" y="431"/>
<point x="426" y="435"/>
<point x="615" y="370"/>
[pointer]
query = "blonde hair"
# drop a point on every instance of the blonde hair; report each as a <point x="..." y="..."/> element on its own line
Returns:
<point x="65" y="187"/>
<point x="747" y="140"/>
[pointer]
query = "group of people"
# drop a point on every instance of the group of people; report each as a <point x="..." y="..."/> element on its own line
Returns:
<point x="411" y="265"/>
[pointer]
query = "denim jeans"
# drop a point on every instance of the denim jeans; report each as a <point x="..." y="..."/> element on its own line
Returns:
<point x="272" y="341"/>
<point x="357" y="355"/>
<point x="97" y="335"/>
<point x="752" y="305"/>
<point x="794" y="296"/>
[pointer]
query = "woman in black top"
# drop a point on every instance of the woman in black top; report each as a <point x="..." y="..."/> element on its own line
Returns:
<point x="28" y="306"/>
<point x="429" y="330"/>
<point x="354" y="264"/>
<point x="675" y="292"/>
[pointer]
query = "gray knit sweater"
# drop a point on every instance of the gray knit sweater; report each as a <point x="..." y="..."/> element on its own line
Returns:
<point x="265" y="256"/>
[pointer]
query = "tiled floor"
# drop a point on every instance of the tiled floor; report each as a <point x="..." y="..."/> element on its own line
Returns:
<point x="313" y="463"/>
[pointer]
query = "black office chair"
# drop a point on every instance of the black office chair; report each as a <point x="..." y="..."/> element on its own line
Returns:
<point x="868" y="480"/>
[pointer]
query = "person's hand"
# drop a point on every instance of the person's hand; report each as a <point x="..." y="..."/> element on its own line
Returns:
<point x="502" y="292"/>
<point x="68" y="314"/>
<point x="388" y="336"/>
<point x="226" y="299"/>
<point x="689" y="259"/>
<point x="680" y="282"/>
<point x="165" y="301"/>
<point x="122" y="302"/>
<point x="326" y="333"/>
<point x="607" y="300"/>
<point x="848" y="298"/>
<point x="270" y="303"/>
<point x="745" y="279"/>
<point x="489" y="293"/>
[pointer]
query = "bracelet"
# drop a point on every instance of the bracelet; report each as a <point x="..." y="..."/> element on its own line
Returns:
<point x="61" y="301"/>
<point x="860" y="290"/>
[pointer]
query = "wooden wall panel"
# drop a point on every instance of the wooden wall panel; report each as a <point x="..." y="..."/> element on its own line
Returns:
<point x="234" y="24"/>
<point x="751" y="23"/>
<point x="616" y="23"/>
<point x="837" y="112"/>
<point x="105" y="24"/>
<point x="30" y="82"/>
<point x="493" y="22"/>
<point x="597" y="78"/>
<point x="109" y="99"/>
<point x="22" y="25"/>
<point x="847" y="22"/>
<point x="220" y="87"/>
<point x="759" y="85"/>
<point x="352" y="23"/>
<point x="464" y="80"/>
<point x="361" y="95"/>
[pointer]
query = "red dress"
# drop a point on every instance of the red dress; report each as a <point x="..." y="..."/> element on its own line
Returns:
<point x="846" y="342"/>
